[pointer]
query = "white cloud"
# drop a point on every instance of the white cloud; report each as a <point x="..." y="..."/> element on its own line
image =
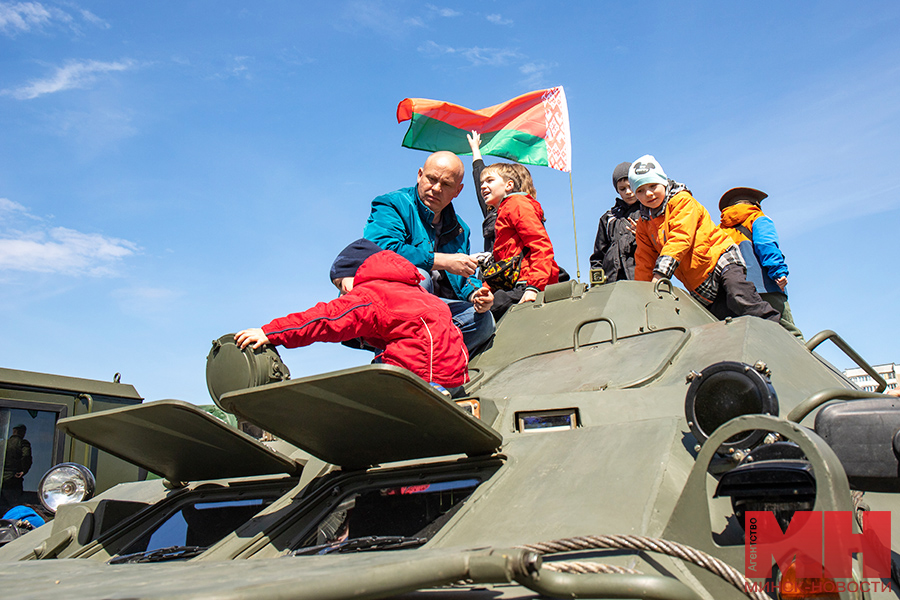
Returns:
<point x="145" y="301"/>
<point x="8" y="206"/>
<point x="374" y="16"/>
<point x="63" y="250"/>
<point x="499" y="20"/>
<point x="239" y="68"/>
<point x="26" y="17"/>
<point x="443" y="12"/>
<point x="71" y="76"/>
<point x="22" y="16"/>
<point x="94" y="19"/>
<point x="476" y="55"/>
<point x="535" y="73"/>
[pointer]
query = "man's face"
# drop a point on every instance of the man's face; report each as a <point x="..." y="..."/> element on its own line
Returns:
<point x="651" y="195"/>
<point x="625" y="193"/>
<point x="440" y="181"/>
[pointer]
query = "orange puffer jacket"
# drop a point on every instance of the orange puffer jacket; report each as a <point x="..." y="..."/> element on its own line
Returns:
<point x="684" y="232"/>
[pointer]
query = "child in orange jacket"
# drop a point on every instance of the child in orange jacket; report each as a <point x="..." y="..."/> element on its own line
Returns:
<point x="676" y="236"/>
<point x="519" y="230"/>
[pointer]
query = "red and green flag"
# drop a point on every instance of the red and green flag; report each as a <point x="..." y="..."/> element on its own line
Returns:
<point x="532" y="129"/>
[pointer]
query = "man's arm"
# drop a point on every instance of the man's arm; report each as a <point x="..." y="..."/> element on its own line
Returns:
<point x="458" y="264"/>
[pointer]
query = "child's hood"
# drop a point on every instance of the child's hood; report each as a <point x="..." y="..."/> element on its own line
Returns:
<point x="387" y="266"/>
<point x="737" y="214"/>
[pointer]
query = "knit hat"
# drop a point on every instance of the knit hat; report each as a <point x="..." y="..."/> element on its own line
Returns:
<point x="620" y="172"/>
<point x="646" y="170"/>
<point x="351" y="257"/>
<point x="734" y="195"/>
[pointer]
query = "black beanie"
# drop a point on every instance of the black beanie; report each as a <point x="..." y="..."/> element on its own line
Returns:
<point x="351" y="257"/>
<point x="620" y="172"/>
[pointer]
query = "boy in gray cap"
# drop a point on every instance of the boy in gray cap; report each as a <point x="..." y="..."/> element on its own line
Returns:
<point x="615" y="243"/>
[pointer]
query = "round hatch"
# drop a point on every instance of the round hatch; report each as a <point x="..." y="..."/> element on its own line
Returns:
<point x="228" y="368"/>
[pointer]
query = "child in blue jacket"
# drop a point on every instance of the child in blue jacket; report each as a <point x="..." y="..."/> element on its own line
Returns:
<point x="743" y="219"/>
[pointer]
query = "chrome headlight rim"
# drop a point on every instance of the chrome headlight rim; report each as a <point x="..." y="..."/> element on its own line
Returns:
<point x="66" y="483"/>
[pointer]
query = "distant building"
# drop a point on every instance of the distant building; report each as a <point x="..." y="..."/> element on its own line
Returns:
<point x="862" y="379"/>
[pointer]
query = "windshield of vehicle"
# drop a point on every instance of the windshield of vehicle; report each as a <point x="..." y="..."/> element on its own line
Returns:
<point x="198" y="524"/>
<point x="27" y="449"/>
<point x="387" y="517"/>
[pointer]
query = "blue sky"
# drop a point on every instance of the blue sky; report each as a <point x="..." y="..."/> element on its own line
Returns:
<point x="173" y="171"/>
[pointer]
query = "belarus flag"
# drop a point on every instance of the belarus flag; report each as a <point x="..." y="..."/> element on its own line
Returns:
<point x="532" y="129"/>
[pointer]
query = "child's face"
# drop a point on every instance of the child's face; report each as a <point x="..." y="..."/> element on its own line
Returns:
<point x="625" y="193"/>
<point x="494" y="188"/>
<point x="651" y="195"/>
<point x="343" y="284"/>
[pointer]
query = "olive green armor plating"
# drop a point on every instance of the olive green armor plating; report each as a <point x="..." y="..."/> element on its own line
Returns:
<point x="609" y="417"/>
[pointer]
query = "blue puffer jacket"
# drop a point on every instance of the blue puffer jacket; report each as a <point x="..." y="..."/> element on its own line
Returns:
<point x="765" y="261"/>
<point x="399" y="221"/>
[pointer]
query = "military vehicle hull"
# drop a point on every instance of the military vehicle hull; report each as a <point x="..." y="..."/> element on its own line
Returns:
<point x="387" y="488"/>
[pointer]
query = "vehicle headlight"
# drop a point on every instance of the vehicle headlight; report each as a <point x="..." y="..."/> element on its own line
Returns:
<point x="726" y="390"/>
<point x="66" y="483"/>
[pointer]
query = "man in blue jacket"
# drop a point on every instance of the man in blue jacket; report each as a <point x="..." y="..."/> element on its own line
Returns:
<point x="420" y="224"/>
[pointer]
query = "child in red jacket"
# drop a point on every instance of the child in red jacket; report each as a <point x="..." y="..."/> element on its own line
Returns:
<point x="519" y="231"/>
<point x="381" y="302"/>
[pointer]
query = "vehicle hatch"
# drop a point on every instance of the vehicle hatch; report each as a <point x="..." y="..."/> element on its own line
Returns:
<point x="178" y="441"/>
<point x="364" y="416"/>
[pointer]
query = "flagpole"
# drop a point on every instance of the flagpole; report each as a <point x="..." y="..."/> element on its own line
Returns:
<point x="574" y="230"/>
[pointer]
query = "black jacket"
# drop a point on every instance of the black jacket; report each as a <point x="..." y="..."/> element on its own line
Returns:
<point x="615" y="244"/>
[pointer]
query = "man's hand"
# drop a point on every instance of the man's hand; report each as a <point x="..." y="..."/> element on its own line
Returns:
<point x="782" y="282"/>
<point x="656" y="277"/>
<point x="483" y="299"/>
<point x="253" y="336"/>
<point x="458" y="264"/>
<point x="528" y="296"/>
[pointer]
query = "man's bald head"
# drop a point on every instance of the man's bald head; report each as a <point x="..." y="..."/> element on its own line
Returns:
<point x="440" y="180"/>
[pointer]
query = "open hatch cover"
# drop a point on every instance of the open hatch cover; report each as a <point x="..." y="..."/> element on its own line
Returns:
<point x="178" y="441"/>
<point x="363" y="416"/>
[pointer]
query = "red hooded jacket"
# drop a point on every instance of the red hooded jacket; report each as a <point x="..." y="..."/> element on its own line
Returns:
<point x="520" y="226"/>
<point x="389" y="310"/>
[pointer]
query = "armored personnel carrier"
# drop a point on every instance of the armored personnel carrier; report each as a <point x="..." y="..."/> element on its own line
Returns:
<point x="611" y="444"/>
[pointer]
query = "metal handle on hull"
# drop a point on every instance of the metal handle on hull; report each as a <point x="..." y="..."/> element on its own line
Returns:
<point x="850" y="352"/>
<point x="612" y="327"/>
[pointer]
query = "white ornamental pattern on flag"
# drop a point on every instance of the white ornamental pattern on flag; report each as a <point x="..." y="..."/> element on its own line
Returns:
<point x="558" y="138"/>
